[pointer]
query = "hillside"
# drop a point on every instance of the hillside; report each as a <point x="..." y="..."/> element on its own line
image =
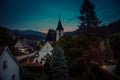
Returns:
<point x="29" y="34"/>
<point x="114" y="27"/>
<point x="25" y="33"/>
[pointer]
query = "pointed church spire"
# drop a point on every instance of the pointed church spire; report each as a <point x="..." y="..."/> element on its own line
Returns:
<point x="59" y="29"/>
<point x="59" y="26"/>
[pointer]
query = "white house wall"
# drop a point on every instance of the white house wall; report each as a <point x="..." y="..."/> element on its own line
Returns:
<point x="11" y="69"/>
<point x="47" y="48"/>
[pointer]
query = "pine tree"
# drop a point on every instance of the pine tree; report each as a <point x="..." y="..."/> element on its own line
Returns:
<point x="88" y="16"/>
<point x="58" y="64"/>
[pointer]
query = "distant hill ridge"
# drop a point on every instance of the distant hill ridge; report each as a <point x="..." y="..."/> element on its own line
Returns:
<point x="26" y="33"/>
<point x="113" y="27"/>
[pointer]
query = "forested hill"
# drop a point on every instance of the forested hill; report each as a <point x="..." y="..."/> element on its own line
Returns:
<point x="114" y="27"/>
<point x="24" y="33"/>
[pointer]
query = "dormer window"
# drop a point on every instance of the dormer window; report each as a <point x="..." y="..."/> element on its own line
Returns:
<point x="5" y="64"/>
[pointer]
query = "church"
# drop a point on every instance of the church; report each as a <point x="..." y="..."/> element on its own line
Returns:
<point x="47" y="48"/>
<point x="59" y="30"/>
<point x="54" y="35"/>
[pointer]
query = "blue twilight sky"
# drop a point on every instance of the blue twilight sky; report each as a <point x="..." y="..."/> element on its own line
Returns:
<point x="40" y="15"/>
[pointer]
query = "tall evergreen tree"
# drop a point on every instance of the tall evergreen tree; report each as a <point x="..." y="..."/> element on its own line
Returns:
<point x="88" y="16"/>
<point x="58" y="64"/>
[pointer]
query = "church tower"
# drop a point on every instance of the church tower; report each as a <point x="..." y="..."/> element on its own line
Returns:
<point x="59" y="30"/>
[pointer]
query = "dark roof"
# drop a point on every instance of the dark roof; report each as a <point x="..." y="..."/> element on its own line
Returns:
<point x="1" y="49"/>
<point x="24" y="43"/>
<point x="59" y="27"/>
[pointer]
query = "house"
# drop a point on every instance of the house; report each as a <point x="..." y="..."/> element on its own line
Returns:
<point x="44" y="52"/>
<point x="9" y="67"/>
<point x="22" y="46"/>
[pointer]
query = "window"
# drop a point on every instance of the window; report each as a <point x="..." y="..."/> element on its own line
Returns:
<point x="42" y="59"/>
<point x="13" y="77"/>
<point x="4" y="64"/>
<point x="59" y="34"/>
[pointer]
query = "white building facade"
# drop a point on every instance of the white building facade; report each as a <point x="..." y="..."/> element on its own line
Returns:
<point x="46" y="50"/>
<point x="9" y="68"/>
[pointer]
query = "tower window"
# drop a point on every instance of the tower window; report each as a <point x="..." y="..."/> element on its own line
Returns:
<point x="59" y="34"/>
<point x="59" y="31"/>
